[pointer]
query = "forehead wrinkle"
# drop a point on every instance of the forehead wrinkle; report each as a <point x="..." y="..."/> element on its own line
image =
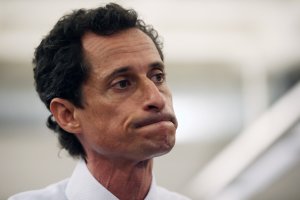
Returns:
<point x="123" y="49"/>
<point x="99" y="44"/>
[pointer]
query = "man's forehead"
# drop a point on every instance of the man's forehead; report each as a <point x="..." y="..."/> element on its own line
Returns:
<point x="99" y="49"/>
<point x="95" y="42"/>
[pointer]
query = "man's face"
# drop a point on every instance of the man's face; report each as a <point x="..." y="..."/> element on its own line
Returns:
<point x="128" y="112"/>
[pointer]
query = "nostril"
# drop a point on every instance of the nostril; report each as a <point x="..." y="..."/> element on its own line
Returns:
<point x="153" y="107"/>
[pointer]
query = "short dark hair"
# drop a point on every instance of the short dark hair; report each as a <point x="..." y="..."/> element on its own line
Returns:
<point x="60" y="67"/>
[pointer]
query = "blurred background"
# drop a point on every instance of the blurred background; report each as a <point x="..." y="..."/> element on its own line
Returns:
<point x="233" y="67"/>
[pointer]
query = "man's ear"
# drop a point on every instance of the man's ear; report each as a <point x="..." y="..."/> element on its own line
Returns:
<point x="64" y="113"/>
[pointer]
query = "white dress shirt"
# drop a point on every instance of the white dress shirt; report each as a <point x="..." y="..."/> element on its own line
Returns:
<point x="83" y="186"/>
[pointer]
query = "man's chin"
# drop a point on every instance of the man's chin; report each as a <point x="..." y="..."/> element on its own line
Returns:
<point x="163" y="147"/>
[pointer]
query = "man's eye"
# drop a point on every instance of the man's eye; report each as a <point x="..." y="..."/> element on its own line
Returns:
<point x="123" y="84"/>
<point x="158" y="78"/>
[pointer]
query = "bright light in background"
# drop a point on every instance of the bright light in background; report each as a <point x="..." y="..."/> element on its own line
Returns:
<point x="205" y="118"/>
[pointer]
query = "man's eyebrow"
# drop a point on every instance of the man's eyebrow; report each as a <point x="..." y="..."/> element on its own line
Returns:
<point x="117" y="72"/>
<point x="158" y="65"/>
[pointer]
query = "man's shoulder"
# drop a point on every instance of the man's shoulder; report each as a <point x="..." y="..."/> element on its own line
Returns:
<point x="163" y="193"/>
<point x="55" y="191"/>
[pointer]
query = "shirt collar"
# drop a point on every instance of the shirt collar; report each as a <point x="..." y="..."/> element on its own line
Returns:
<point x="82" y="185"/>
<point x="152" y="194"/>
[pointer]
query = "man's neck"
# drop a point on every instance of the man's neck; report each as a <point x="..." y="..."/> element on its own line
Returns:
<point x="126" y="180"/>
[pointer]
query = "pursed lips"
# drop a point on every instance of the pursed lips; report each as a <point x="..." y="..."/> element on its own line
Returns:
<point x="155" y="119"/>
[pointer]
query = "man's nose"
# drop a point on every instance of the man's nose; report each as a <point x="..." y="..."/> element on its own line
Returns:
<point x="153" y="98"/>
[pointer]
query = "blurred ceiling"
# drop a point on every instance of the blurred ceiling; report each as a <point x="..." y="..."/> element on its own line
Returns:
<point x="192" y="30"/>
